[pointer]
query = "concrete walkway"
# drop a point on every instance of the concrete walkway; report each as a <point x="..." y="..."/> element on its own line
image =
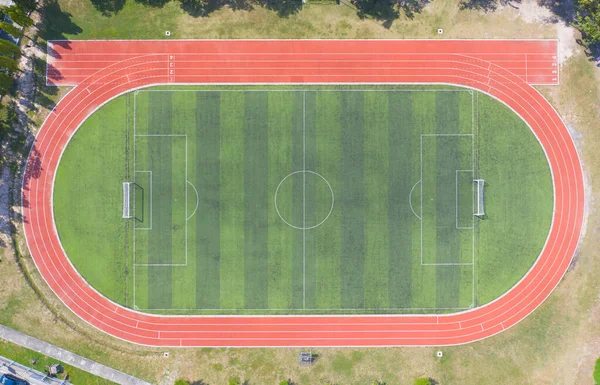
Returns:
<point x="65" y="356"/>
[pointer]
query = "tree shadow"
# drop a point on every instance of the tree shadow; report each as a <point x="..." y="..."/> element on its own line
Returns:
<point x="203" y="8"/>
<point x="485" y="5"/>
<point x="199" y="382"/>
<point x="283" y="8"/>
<point x="412" y="7"/>
<point x="377" y="9"/>
<point x="57" y="24"/>
<point x="108" y="7"/>
<point x="388" y="10"/>
<point x="153" y="3"/>
<point x="563" y="10"/>
<point x="591" y="50"/>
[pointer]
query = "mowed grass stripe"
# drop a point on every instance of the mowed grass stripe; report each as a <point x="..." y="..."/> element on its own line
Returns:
<point x="351" y="202"/>
<point x="328" y="236"/>
<point x="401" y="179"/>
<point x="184" y="123"/>
<point x="160" y="241"/>
<point x="208" y="185"/>
<point x="232" y="200"/>
<point x="297" y="208"/>
<point x="281" y="124"/>
<point x="376" y="206"/>
<point x="447" y="153"/>
<point x="313" y="197"/>
<point x="256" y="200"/>
<point x="423" y="277"/>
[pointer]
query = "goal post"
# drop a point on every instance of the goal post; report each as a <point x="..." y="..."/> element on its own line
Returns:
<point x="480" y="208"/>
<point x="126" y="199"/>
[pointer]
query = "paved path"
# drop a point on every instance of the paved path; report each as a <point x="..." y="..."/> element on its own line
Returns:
<point x="66" y="356"/>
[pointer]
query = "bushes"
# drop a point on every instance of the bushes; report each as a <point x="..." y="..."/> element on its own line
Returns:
<point x="597" y="372"/>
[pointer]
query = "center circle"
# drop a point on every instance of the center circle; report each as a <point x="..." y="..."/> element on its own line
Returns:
<point x="304" y="200"/>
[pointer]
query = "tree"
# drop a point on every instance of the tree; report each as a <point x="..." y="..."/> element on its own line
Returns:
<point x="6" y="82"/>
<point x="597" y="372"/>
<point x="284" y="382"/>
<point x="235" y="381"/>
<point x="8" y="64"/>
<point x="588" y="20"/>
<point x="10" y="29"/>
<point x="8" y="48"/>
<point x="26" y="5"/>
<point x="181" y="381"/>
<point x="19" y="16"/>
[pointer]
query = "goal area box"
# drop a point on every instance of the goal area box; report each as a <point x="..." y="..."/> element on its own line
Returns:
<point x="480" y="208"/>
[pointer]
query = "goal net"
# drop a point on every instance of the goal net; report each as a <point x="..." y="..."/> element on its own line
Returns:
<point x="126" y="199"/>
<point x="480" y="209"/>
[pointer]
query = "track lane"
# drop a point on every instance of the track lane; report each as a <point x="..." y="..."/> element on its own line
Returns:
<point x="398" y="330"/>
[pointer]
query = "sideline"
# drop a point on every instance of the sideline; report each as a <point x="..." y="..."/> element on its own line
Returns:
<point x="68" y="357"/>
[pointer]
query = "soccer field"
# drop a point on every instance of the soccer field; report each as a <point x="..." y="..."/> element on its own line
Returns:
<point x="312" y="200"/>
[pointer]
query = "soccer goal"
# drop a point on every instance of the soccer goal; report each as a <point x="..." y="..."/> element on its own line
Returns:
<point x="480" y="209"/>
<point x="126" y="199"/>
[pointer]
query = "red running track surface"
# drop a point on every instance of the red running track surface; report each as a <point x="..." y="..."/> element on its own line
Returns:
<point x="104" y="69"/>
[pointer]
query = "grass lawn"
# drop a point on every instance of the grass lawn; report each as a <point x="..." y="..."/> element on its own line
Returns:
<point x="313" y="200"/>
<point x="25" y="357"/>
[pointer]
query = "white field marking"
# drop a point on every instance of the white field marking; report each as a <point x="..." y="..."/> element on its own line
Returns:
<point x="303" y="90"/>
<point x="526" y="70"/>
<point x="308" y="309"/>
<point x="330" y="190"/>
<point x="135" y="93"/>
<point x="150" y="210"/>
<point x="457" y="225"/>
<point x="197" y="200"/>
<point x="410" y="200"/>
<point x="448" y="264"/>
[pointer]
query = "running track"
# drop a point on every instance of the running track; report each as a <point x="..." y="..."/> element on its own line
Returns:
<point x="101" y="70"/>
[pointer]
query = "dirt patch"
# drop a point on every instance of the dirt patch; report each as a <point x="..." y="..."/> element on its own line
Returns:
<point x="532" y="12"/>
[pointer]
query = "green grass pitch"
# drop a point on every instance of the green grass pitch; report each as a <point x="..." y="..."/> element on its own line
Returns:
<point x="286" y="200"/>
